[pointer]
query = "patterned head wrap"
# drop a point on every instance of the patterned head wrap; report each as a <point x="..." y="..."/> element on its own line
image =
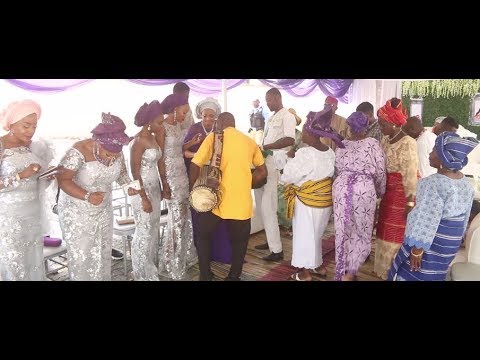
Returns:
<point x="17" y="110"/>
<point x="331" y="100"/>
<point x="358" y="122"/>
<point x="172" y="101"/>
<point x="394" y="115"/>
<point x="453" y="149"/>
<point x="110" y="133"/>
<point x="297" y="118"/>
<point x="208" y="103"/>
<point x="147" y="113"/>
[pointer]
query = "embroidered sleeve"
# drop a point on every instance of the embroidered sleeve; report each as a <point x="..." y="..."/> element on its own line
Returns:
<point x="409" y="167"/>
<point x="289" y="124"/>
<point x="295" y="169"/>
<point x="424" y="219"/>
<point x="9" y="182"/>
<point x="72" y="160"/>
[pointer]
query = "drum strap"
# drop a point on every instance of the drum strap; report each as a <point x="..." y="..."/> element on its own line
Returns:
<point x="214" y="174"/>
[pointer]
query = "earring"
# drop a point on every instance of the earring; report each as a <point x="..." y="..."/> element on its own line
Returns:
<point x="175" y="116"/>
<point x="149" y="128"/>
<point x="394" y="127"/>
<point x="441" y="166"/>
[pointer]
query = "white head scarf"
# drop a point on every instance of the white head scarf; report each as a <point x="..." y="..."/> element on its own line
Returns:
<point x="208" y="103"/>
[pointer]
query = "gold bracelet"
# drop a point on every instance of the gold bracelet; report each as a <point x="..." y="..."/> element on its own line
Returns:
<point x="416" y="255"/>
<point x="410" y="204"/>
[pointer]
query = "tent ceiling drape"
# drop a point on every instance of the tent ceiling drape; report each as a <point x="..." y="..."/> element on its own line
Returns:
<point x="338" y="88"/>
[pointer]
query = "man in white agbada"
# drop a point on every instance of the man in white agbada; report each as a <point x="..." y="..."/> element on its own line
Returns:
<point x="425" y="143"/>
<point x="279" y="135"/>
<point x="308" y="191"/>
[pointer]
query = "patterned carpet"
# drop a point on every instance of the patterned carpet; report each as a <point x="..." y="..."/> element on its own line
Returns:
<point x="283" y="271"/>
<point x="254" y="269"/>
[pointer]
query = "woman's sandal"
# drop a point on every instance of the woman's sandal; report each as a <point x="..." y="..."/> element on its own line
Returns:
<point x="295" y="277"/>
<point x="319" y="273"/>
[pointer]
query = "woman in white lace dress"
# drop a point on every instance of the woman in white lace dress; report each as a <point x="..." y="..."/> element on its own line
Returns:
<point x="85" y="202"/>
<point x="21" y="233"/>
<point x="144" y="156"/>
<point x="177" y="251"/>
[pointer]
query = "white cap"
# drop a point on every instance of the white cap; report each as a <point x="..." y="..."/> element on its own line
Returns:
<point x="439" y="119"/>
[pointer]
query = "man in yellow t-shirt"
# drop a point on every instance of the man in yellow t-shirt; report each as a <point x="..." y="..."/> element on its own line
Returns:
<point x="236" y="206"/>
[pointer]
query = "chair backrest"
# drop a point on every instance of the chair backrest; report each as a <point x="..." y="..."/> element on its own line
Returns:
<point x="475" y="223"/>
<point x="473" y="248"/>
<point x="474" y="156"/>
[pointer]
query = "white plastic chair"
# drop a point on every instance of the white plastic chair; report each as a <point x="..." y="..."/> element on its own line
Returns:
<point x="469" y="270"/>
<point x="127" y="231"/>
<point x="50" y="254"/>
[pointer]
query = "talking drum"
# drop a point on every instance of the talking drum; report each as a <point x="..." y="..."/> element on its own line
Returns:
<point x="204" y="195"/>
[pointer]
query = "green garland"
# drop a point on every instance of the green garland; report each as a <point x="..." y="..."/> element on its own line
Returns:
<point x="441" y="88"/>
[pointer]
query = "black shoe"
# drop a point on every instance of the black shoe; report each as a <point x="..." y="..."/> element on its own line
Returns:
<point x="117" y="255"/>
<point x="210" y="277"/>
<point x="262" y="247"/>
<point x="274" y="256"/>
<point x="228" y="278"/>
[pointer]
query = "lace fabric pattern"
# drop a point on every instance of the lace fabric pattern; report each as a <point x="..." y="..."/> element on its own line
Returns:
<point x="21" y="228"/>
<point x="177" y="251"/>
<point x="88" y="229"/>
<point x="146" y="241"/>
<point x="402" y="158"/>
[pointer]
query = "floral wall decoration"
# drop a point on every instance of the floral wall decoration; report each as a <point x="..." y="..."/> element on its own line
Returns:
<point x="441" y="88"/>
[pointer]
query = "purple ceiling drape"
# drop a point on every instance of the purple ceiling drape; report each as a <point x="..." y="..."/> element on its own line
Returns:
<point x="200" y="86"/>
<point x="337" y="88"/>
<point x="47" y="85"/>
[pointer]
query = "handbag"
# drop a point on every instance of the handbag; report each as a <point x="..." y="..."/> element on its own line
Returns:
<point x="55" y="207"/>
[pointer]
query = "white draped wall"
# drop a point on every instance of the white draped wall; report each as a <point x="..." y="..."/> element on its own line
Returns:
<point x="73" y="113"/>
<point x="376" y="92"/>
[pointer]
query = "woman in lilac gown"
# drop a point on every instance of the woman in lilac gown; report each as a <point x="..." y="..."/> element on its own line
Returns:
<point x="360" y="170"/>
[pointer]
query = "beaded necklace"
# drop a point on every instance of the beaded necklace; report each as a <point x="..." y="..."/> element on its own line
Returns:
<point x="96" y="155"/>
<point x="396" y="135"/>
<point x="204" y="130"/>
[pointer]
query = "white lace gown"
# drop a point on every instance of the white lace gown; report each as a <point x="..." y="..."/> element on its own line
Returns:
<point x="21" y="218"/>
<point x="177" y="251"/>
<point x="88" y="229"/>
<point x="146" y="241"/>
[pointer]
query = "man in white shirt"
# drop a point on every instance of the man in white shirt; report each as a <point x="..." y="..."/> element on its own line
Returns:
<point x="279" y="135"/>
<point x="425" y="143"/>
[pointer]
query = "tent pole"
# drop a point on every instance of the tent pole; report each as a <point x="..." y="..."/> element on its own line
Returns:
<point x="224" y="94"/>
